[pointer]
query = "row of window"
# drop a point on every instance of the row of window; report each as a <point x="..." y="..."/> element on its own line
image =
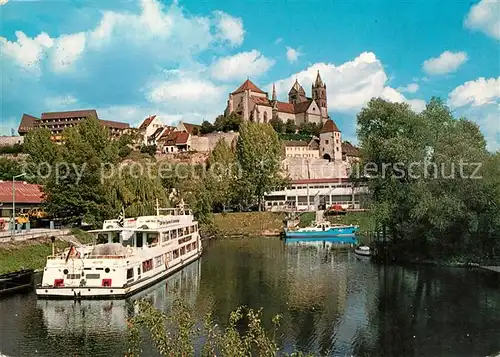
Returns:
<point x="177" y="233"/>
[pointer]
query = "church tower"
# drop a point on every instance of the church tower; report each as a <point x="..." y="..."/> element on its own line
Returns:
<point x="319" y="95"/>
<point x="297" y="94"/>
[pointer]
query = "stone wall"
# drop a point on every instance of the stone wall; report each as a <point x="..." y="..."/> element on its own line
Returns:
<point x="206" y="143"/>
<point x="11" y="140"/>
<point x="301" y="168"/>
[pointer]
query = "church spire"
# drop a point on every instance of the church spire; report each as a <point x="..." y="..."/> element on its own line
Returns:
<point x="319" y="81"/>
<point x="274" y="93"/>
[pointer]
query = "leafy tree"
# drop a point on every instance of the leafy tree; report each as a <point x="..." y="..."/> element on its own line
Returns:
<point x="39" y="146"/>
<point x="422" y="190"/>
<point x="125" y="144"/>
<point x="9" y="169"/>
<point x="75" y="191"/>
<point x="259" y="156"/>
<point x="231" y="122"/>
<point x="290" y="127"/>
<point x="14" y="149"/>
<point x="206" y="127"/>
<point x="195" y="131"/>
<point x="277" y="124"/>
<point x="149" y="149"/>
<point x="222" y="173"/>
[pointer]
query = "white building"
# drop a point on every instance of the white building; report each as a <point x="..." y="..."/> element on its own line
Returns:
<point x="307" y="194"/>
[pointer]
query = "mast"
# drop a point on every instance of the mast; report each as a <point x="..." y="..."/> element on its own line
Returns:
<point x="157" y="208"/>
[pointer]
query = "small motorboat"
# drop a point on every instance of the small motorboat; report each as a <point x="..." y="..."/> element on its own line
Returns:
<point x="322" y="230"/>
<point x="363" y="251"/>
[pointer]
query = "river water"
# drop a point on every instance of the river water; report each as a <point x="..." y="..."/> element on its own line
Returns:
<point x="332" y="304"/>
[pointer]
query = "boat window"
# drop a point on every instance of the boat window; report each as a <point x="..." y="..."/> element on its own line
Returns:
<point x="176" y="253"/>
<point x="152" y="238"/>
<point x="130" y="273"/>
<point x="183" y="250"/>
<point x="173" y="234"/>
<point x="116" y="237"/>
<point x="139" y="271"/>
<point x="188" y="248"/>
<point x="186" y="231"/>
<point x="73" y="276"/>
<point x="179" y="232"/>
<point x="158" y="261"/>
<point x="165" y="236"/>
<point x="93" y="276"/>
<point x="147" y="265"/>
<point x="102" y="238"/>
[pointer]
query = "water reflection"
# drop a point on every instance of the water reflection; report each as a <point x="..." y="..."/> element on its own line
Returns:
<point x="332" y="304"/>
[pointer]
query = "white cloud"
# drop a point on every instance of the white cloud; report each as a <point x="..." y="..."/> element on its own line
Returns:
<point x="27" y="52"/>
<point x="479" y="92"/>
<point x="479" y="101"/>
<point x="410" y="88"/>
<point x="60" y="103"/>
<point x="484" y="17"/>
<point x="3" y="2"/>
<point x="67" y="50"/>
<point x="292" y="54"/>
<point x="447" y="62"/>
<point x="229" y="28"/>
<point x="241" y="65"/>
<point x="350" y="85"/>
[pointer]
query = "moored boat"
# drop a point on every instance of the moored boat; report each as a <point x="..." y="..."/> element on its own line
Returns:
<point x="127" y="257"/>
<point x="17" y="281"/>
<point x="363" y="251"/>
<point x="323" y="229"/>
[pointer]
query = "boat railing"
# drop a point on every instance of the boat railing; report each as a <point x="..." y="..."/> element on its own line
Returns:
<point x="62" y="257"/>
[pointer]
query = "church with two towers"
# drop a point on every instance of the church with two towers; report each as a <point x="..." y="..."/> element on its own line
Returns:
<point x="253" y="104"/>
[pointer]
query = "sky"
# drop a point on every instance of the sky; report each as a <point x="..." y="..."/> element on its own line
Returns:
<point x="180" y="60"/>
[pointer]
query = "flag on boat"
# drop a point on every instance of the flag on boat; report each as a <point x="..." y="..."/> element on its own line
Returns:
<point x="121" y="217"/>
<point x="72" y="252"/>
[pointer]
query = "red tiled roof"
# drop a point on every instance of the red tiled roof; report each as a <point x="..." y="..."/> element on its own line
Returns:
<point x="115" y="124"/>
<point x="291" y="143"/>
<point x="27" y="123"/>
<point x="25" y="192"/>
<point x="166" y="133"/>
<point x="147" y="121"/>
<point x="70" y="114"/>
<point x="190" y="127"/>
<point x="329" y="127"/>
<point x="349" y="149"/>
<point x="285" y="107"/>
<point x="177" y="138"/>
<point x="182" y="138"/>
<point x="248" y="85"/>
<point x="261" y="100"/>
<point x="302" y="107"/>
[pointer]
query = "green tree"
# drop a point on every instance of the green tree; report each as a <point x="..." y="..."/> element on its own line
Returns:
<point x="227" y="123"/>
<point x="39" y="146"/>
<point x="206" y="127"/>
<point x="423" y="189"/>
<point x="125" y="144"/>
<point x="222" y="173"/>
<point x="259" y="154"/>
<point x="290" y="127"/>
<point x="75" y="190"/>
<point x="9" y="169"/>
<point x="277" y="124"/>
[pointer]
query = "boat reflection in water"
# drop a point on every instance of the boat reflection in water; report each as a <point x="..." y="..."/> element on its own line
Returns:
<point x="324" y="242"/>
<point x="65" y="316"/>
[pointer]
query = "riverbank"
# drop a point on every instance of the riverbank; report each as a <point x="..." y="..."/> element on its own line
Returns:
<point x="245" y="224"/>
<point x="30" y="254"/>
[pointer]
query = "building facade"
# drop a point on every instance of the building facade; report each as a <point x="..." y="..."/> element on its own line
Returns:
<point x="253" y="104"/>
<point x="56" y="122"/>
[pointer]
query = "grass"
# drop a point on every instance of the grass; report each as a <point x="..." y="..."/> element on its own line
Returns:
<point x="82" y="236"/>
<point x="247" y="223"/>
<point x="28" y="254"/>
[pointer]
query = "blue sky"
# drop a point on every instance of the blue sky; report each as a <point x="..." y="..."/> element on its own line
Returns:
<point x="179" y="60"/>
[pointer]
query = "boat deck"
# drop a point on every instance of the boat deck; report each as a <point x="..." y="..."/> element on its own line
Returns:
<point x="494" y="268"/>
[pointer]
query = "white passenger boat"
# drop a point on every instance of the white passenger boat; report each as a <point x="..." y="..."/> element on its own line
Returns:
<point x="126" y="257"/>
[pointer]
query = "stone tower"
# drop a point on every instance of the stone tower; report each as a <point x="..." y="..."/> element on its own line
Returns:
<point x="319" y="95"/>
<point x="297" y="94"/>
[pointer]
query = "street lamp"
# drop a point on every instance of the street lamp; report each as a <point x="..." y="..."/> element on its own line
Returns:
<point x="14" y="204"/>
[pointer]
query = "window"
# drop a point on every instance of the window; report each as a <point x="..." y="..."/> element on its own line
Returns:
<point x="73" y="276"/>
<point x="147" y="265"/>
<point x="130" y="273"/>
<point x="337" y="149"/>
<point x="93" y="276"/>
<point x="158" y="261"/>
<point x="337" y="141"/>
<point x="176" y="253"/>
